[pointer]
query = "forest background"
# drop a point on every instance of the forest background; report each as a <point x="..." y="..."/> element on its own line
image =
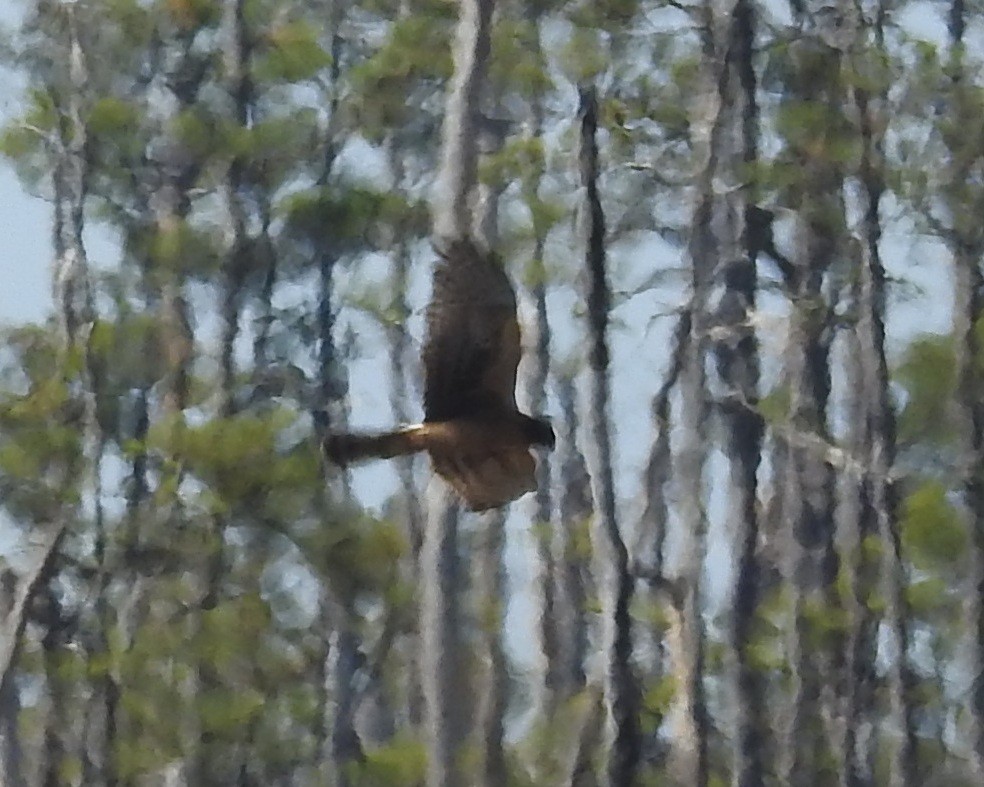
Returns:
<point x="758" y="559"/>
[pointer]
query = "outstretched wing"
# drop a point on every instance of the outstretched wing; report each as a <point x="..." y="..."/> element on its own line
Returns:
<point x="473" y="345"/>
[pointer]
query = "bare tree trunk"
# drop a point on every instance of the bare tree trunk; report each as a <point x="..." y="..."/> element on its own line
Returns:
<point x="19" y="592"/>
<point x="338" y="744"/>
<point x="454" y="216"/>
<point x="454" y="205"/>
<point x="343" y="662"/>
<point x="806" y="486"/>
<point x="402" y="386"/>
<point x="75" y="307"/>
<point x="881" y="495"/>
<point x="654" y="524"/>
<point x="805" y="477"/>
<point x="440" y="626"/>
<point x="11" y="755"/>
<point x="580" y="772"/>
<point x="615" y="583"/>
<point x="968" y="310"/>
<point x="738" y="367"/>
<point x="881" y="498"/>
<point x="535" y="389"/>
<point x="490" y="587"/>
<point x="569" y="558"/>
<point x="688" y="756"/>
<point x="490" y="595"/>
<point x="855" y="747"/>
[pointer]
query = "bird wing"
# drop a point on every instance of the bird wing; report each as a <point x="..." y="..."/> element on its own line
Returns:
<point x="473" y="342"/>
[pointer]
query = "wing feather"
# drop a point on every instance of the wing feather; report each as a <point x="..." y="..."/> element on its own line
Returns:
<point x="473" y="343"/>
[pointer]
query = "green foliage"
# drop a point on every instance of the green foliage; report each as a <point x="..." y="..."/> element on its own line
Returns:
<point x="775" y="405"/>
<point x="26" y="142"/>
<point x="354" y="555"/>
<point x="292" y="54"/>
<point x="274" y="146"/>
<point x="197" y="132"/>
<point x="927" y="598"/>
<point x="132" y="18"/>
<point x="584" y="56"/>
<point x="826" y="625"/>
<point x="226" y="711"/>
<point x="340" y="218"/>
<point x="516" y="65"/>
<point x="416" y="53"/>
<point x="190" y="15"/>
<point x="177" y="248"/>
<point x="402" y="762"/>
<point x="519" y="159"/>
<point x="239" y="459"/>
<point x="932" y="533"/>
<point x="816" y="131"/>
<point x="658" y="697"/>
<point x="112" y="117"/>
<point x="40" y="417"/>
<point x="928" y="374"/>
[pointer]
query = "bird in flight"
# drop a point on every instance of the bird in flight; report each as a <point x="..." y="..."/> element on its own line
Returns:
<point x="477" y="439"/>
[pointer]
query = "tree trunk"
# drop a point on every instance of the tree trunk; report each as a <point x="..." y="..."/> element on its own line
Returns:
<point x="400" y="396"/>
<point x="880" y="501"/>
<point x="738" y="368"/>
<point x="454" y="216"/>
<point x="454" y="204"/>
<point x="968" y="310"/>
<point x="688" y="755"/>
<point x="615" y="583"/>
<point x="535" y="391"/>
<point x="569" y="558"/>
<point x="441" y="643"/>
<point x="490" y="596"/>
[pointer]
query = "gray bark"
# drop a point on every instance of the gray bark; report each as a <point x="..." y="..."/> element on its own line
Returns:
<point x="342" y="663"/>
<point x="400" y="395"/>
<point x="11" y="753"/>
<point x="968" y="309"/>
<point x="19" y="592"/>
<point x="454" y="204"/>
<point x="440" y="627"/>
<point x="615" y="584"/>
<point x="569" y="558"/>
<point x="75" y="310"/>
<point x="490" y="595"/>
<point x="688" y="755"/>
<point x="490" y="584"/>
<point x="880" y="497"/>
<point x="535" y="388"/>
<point x="854" y="749"/>
<point x="736" y="354"/>
<point x="806" y="479"/>
<point x="454" y="216"/>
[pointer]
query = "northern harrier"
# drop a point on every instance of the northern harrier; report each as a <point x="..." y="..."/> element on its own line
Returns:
<point x="477" y="439"/>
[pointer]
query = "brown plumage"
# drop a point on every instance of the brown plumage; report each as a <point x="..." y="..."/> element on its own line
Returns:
<point x="476" y="437"/>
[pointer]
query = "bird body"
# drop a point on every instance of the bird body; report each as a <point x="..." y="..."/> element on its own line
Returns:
<point x="477" y="439"/>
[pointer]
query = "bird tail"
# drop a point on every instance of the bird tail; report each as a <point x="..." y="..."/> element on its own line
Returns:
<point x="342" y="449"/>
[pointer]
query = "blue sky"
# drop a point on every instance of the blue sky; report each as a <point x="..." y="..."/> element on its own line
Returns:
<point x="24" y="221"/>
